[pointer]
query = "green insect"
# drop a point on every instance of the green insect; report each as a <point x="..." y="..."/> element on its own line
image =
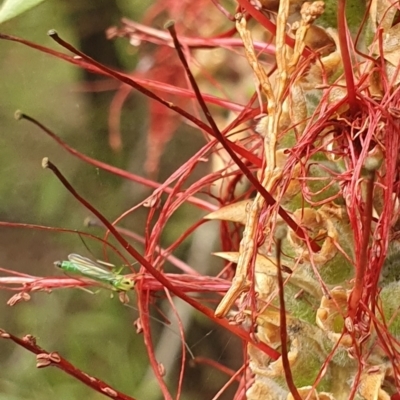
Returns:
<point x="94" y="270"/>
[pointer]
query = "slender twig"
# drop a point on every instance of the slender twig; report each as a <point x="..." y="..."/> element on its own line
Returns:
<point x="345" y="53"/>
<point x="53" y="359"/>
<point x="93" y="66"/>
<point x="109" y="168"/>
<point x="356" y="294"/>
<point x="157" y="274"/>
<point x="131" y="82"/>
<point x="227" y="145"/>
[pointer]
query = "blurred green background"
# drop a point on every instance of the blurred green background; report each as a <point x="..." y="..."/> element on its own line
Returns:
<point x="93" y="332"/>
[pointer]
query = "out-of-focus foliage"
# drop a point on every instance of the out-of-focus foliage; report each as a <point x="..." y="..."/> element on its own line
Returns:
<point x="89" y="330"/>
<point x="12" y="8"/>
<point x="92" y="331"/>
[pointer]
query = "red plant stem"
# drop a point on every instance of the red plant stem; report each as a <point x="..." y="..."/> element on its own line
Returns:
<point x="182" y="337"/>
<point x="34" y="283"/>
<point x="129" y="81"/>
<point x="143" y="32"/>
<point x="356" y="294"/>
<point x="208" y="361"/>
<point x="241" y="333"/>
<point x="282" y="325"/>
<point x="163" y="253"/>
<point x="160" y="86"/>
<point x="94" y="67"/>
<point x="114" y="117"/>
<point x="227" y="146"/>
<point x="188" y="283"/>
<point x="230" y="381"/>
<point x="262" y="19"/>
<point x="192" y="281"/>
<point x="143" y="303"/>
<point x="345" y="53"/>
<point x="55" y="360"/>
<point x="106" y="85"/>
<point x="109" y="168"/>
<point x="223" y="11"/>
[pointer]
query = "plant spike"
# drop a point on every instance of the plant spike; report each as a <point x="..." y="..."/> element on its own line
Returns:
<point x="271" y="173"/>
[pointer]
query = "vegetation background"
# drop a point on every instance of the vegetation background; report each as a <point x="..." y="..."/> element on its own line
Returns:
<point x="95" y="333"/>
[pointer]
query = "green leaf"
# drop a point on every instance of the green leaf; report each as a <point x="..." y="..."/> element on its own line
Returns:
<point x="12" y="8"/>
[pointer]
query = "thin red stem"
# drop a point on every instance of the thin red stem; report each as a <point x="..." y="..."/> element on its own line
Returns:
<point x="109" y="168"/>
<point x="357" y="292"/>
<point x="94" y="67"/>
<point x="45" y="358"/>
<point x="227" y="146"/>
<point x="345" y="53"/>
<point x="157" y="274"/>
<point x="129" y="81"/>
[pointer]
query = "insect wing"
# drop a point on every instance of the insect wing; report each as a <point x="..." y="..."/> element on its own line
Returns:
<point x="89" y="268"/>
<point x="105" y="264"/>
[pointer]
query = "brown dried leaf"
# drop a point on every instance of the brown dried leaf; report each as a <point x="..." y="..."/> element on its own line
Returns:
<point x="265" y="275"/>
<point x="391" y="45"/>
<point x="391" y="51"/>
<point x="317" y="223"/>
<point x="382" y="14"/>
<point x="305" y="391"/>
<point x="264" y="265"/>
<point x="330" y="319"/>
<point x="371" y="383"/>
<point x="265" y="389"/>
<point x="318" y="38"/>
<point x="235" y="212"/>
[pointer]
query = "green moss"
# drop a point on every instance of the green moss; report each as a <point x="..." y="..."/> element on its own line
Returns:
<point x="340" y="357"/>
<point x="313" y="99"/>
<point x="295" y="203"/>
<point x="308" y="365"/>
<point x="303" y="307"/>
<point x="391" y="268"/>
<point x="355" y="10"/>
<point x="288" y="140"/>
<point x="338" y="323"/>
<point x="336" y="271"/>
<point x="390" y="295"/>
<point x="322" y="187"/>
